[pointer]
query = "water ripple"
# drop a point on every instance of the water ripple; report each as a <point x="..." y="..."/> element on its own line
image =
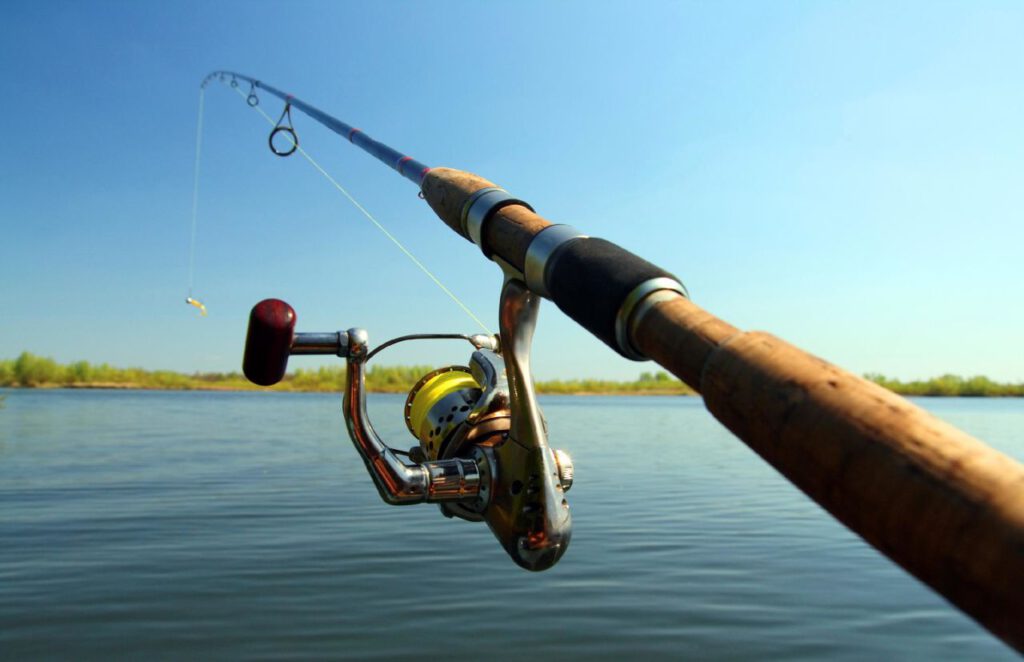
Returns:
<point x="243" y="525"/>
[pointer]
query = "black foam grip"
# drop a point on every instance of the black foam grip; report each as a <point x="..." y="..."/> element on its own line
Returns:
<point x="589" y="279"/>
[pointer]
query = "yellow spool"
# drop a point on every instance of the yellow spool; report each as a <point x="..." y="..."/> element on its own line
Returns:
<point x="424" y="396"/>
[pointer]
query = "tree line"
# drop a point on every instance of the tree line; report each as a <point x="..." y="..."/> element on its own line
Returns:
<point x="29" y="370"/>
<point x="951" y="386"/>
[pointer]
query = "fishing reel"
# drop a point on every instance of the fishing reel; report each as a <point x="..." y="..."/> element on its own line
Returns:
<point x="482" y="452"/>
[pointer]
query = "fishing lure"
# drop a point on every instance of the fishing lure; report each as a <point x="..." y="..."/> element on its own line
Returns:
<point x="198" y="304"/>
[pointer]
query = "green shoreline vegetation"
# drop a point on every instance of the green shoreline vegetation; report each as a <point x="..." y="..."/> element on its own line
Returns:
<point x="31" y="371"/>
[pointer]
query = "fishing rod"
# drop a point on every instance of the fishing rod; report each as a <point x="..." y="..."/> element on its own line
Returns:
<point x="940" y="503"/>
<point x="406" y="166"/>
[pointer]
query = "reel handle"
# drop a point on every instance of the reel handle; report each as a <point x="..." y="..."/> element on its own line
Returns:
<point x="268" y="342"/>
<point x="271" y="339"/>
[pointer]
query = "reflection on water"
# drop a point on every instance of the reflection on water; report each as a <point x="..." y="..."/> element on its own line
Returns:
<point x="135" y="524"/>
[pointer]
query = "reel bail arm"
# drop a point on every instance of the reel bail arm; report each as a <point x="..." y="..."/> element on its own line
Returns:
<point x="399" y="484"/>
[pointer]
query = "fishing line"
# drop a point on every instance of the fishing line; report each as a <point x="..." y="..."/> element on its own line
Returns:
<point x="368" y="215"/>
<point x="195" y="210"/>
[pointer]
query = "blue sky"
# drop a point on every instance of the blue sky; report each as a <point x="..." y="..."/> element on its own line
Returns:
<point x="848" y="176"/>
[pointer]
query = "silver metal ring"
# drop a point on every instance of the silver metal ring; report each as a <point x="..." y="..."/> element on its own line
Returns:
<point x="629" y="306"/>
<point x="479" y="207"/>
<point x="469" y="203"/>
<point x="542" y="247"/>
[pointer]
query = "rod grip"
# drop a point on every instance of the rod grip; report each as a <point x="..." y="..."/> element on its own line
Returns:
<point x="591" y="279"/>
<point x="940" y="503"/>
<point x="268" y="342"/>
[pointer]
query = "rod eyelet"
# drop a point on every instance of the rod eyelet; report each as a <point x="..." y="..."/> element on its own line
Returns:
<point x="291" y="135"/>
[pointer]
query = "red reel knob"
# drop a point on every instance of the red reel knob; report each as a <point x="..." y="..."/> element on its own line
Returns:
<point x="268" y="342"/>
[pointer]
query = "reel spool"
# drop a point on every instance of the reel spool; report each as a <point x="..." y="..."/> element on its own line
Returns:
<point x="438" y="404"/>
<point x="481" y="452"/>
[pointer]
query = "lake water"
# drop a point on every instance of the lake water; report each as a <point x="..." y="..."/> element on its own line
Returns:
<point x="169" y="525"/>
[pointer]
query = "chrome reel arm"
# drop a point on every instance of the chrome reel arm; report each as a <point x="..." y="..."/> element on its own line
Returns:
<point x="527" y="512"/>
<point x="454" y="479"/>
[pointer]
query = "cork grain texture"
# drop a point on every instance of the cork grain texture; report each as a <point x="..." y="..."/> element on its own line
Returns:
<point x="942" y="504"/>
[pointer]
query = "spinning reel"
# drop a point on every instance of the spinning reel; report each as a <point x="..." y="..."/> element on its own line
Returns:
<point x="482" y="451"/>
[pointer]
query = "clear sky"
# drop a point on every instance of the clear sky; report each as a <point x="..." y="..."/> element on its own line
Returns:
<point x="846" y="175"/>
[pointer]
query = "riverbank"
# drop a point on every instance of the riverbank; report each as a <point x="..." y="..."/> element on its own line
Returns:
<point x="680" y="391"/>
<point x="31" y="371"/>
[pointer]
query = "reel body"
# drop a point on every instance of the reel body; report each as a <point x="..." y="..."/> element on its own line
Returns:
<point x="481" y="451"/>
